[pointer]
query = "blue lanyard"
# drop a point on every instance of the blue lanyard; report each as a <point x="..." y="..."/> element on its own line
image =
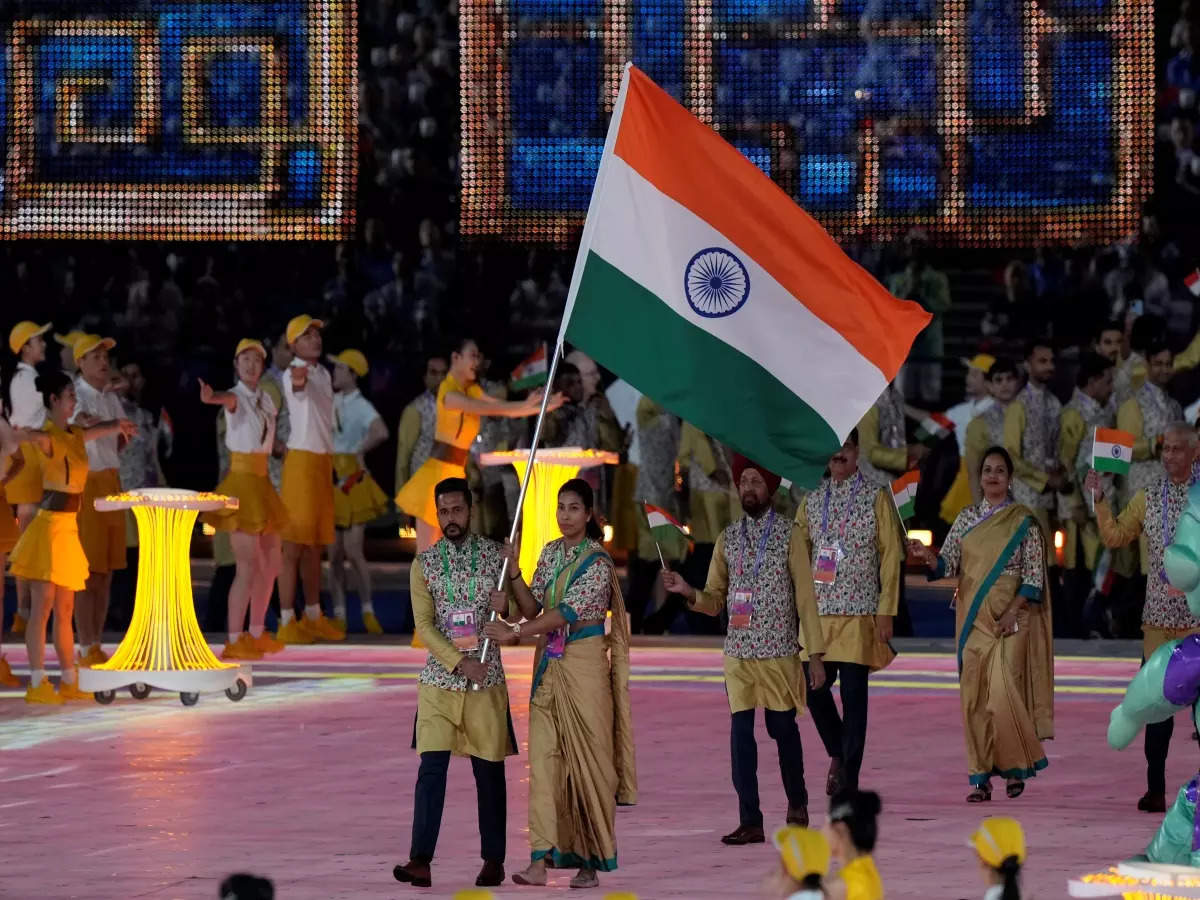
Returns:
<point x="846" y="516"/>
<point x="762" y="543"/>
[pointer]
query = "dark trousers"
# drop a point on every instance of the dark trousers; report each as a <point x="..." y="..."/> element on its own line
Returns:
<point x="844" y="735"/>
<point x="1158" y="742"/>
<point x="642" y="575"/>
<point x="743" y="749"/>
<point x="430" y="798"/>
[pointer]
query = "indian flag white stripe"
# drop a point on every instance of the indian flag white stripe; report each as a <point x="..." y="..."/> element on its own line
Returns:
<point x="650" y="238"/>
<point x="906" y="494"/>
<point x="657" y="519"/>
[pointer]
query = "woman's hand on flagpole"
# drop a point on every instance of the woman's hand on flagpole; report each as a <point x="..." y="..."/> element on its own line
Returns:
<point x="923" y="553"/>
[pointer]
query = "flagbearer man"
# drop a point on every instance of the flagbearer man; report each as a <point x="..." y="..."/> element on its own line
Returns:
<point x="452" y="594"/>
<point x="1146" y="414"/>
<point x="761" y="572"/>
<point x="1151" y="518"/>
<point x="1091" y="407"/>
<point x="852" y="534"/>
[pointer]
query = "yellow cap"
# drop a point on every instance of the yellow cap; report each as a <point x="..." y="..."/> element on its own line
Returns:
<point x="353" y="360"/>
<point x="86" y="343"/>
<point x="69" y="339"/>
<point x="804" y="851"/>
<point x="998" y="838"/>
<point x="299" y="325"/>
<point x="249" y="344"/>
<point x="22" y="332"/>
<point x="474" y="894"/>
<point x="981" y="361"/>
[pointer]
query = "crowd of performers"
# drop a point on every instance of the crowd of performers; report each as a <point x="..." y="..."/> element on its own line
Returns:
<point x="810" y="597"/>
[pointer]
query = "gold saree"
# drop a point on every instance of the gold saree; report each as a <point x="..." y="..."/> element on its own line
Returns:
<point x="1006" y="684"/>
<point x="581" y="763"/>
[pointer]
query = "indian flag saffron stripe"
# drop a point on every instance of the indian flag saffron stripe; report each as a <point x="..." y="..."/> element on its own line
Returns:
<point x="904" y="493"/>
<point x="1192" y="280"/>
<point x="532" y="371"/>
<point x="1112" y="450"/>
<point x="934" y="427"/>
<point x="704" y="286"/>
<point x="658" y="517"/>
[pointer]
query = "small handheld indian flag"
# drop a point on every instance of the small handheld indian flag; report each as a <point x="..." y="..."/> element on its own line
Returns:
<point x="532" y="372"/>
<point x="667" y="531"/>
<point x="904" y="493"/>
<point x="1112" y="450"/>
<point x="1192" y="280"/>
<point x="933" y="428"/>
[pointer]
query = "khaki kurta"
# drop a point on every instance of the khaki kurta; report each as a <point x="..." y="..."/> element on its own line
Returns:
<point x="712" y="505"/>
<point x="1074" y="442"/>
<point x="1165" y="613"/>
<point x="1031" y="439"/>
<point x="763" y="669"/>
<point x="868" y="578"/>
<point x="450" y="715"/>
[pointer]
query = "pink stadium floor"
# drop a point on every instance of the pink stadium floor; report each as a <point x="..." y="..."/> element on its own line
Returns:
<point x="309" y="781"/>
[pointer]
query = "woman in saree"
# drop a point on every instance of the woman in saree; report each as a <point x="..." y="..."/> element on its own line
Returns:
<point x="581" y="762"/>
<point x="1002" y="631"/>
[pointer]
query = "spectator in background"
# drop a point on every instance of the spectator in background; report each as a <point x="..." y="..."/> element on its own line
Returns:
<point x="1031" y="437"/>
<point x="1187" y="164"/>
<point x="1019" y="313"/>
<point x="1183" y="69"/>
<point x="922" y="283"/>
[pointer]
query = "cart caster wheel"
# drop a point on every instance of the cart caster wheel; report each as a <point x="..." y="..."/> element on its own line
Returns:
<point x="237" y="692"/>
<point x="104" y="697"/>
<point x="139" y="691"/>
<point x="188" y="699"/>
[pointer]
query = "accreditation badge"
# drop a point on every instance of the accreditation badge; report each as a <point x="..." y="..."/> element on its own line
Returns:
<point x="741" y="609"/>
<point x="825" y="564"/>
<point x="464" y="630"/>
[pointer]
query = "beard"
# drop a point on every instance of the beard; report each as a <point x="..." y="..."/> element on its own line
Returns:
<point x="753" y="506"/>
<point x="453" y="531"/>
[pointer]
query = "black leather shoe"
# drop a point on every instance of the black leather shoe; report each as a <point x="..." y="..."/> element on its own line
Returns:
<point x="798" y="816"/>
<point x="415" y="872"/>
<point x="745" y="834"/>
<point x="491" y="875"/>
<point x="1153" y="803"/>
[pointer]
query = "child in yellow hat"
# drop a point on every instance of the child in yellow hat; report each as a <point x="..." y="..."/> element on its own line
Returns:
<point x="803" y="864"/>
<point x="256" y="524"/>
<point x="357" y="498"/>
<point x="1000" y="843"/>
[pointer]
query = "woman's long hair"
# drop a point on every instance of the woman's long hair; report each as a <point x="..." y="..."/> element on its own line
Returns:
<point x="583" y="491"/>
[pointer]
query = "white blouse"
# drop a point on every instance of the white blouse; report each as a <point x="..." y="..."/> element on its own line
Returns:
<point x="251" y="427"/>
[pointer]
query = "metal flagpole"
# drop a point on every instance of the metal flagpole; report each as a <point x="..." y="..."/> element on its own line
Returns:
<point x="533" y="445"/>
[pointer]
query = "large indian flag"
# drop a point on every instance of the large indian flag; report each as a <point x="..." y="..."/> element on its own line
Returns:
<point x="702" y="284"/>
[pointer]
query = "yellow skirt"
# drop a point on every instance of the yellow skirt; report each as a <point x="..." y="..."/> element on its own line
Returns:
<point x="27" y="486"/>
<point x="364" y="502"/>
<point x="50" y="550"/>
<point x="776" y="684"/>
<point x="8" y="525"/>
<point x="260" y="511"/>
<point x="102" y="533"/>
<point x="308" y="497"/>
<point x="851" y="639"/>
<point x="467" y="723"/>
<point x="416" y="497"/>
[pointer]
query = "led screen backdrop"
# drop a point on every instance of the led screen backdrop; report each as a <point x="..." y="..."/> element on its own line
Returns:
<point x="988" y="122"/>
<point x="178" y="120"/>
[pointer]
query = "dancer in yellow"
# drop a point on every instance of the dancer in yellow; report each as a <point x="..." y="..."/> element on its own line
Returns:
<point x="852" y="829"/>
<point x="25" y="410"/>
<point x="580" y="728"/>
<point x="357" y="499"/>
<point x="12" y="462"/>
<point x="1003" y="631"/>
<point x="803" y="864"/>
<point x="307" y="485"/>
<point x="255" y="525"/>
<point x="49" y="552"/>
<point x="460" y="404"/>
<point x="101" y="533"/>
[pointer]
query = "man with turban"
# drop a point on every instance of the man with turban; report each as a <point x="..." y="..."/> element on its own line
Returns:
<point x="761" y="572"/>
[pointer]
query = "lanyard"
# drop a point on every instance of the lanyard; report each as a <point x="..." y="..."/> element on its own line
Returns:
<point x="991" y="512"/>
<point x="562" y="566"/>
<point x="762" y="543"/>
<point x="470" y="581"/>
<point x="845" y="516"/>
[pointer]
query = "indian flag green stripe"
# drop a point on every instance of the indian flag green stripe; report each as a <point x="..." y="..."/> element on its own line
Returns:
<point x="1108" y="464"/>
<point x="621" y="325"/>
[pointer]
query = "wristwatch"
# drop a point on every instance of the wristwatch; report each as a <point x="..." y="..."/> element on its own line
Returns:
<point x="516" y="628"/>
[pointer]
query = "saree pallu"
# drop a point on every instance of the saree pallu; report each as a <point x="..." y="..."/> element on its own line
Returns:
<point x="1006" y="684"/>
<point x="581" y="763"/>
